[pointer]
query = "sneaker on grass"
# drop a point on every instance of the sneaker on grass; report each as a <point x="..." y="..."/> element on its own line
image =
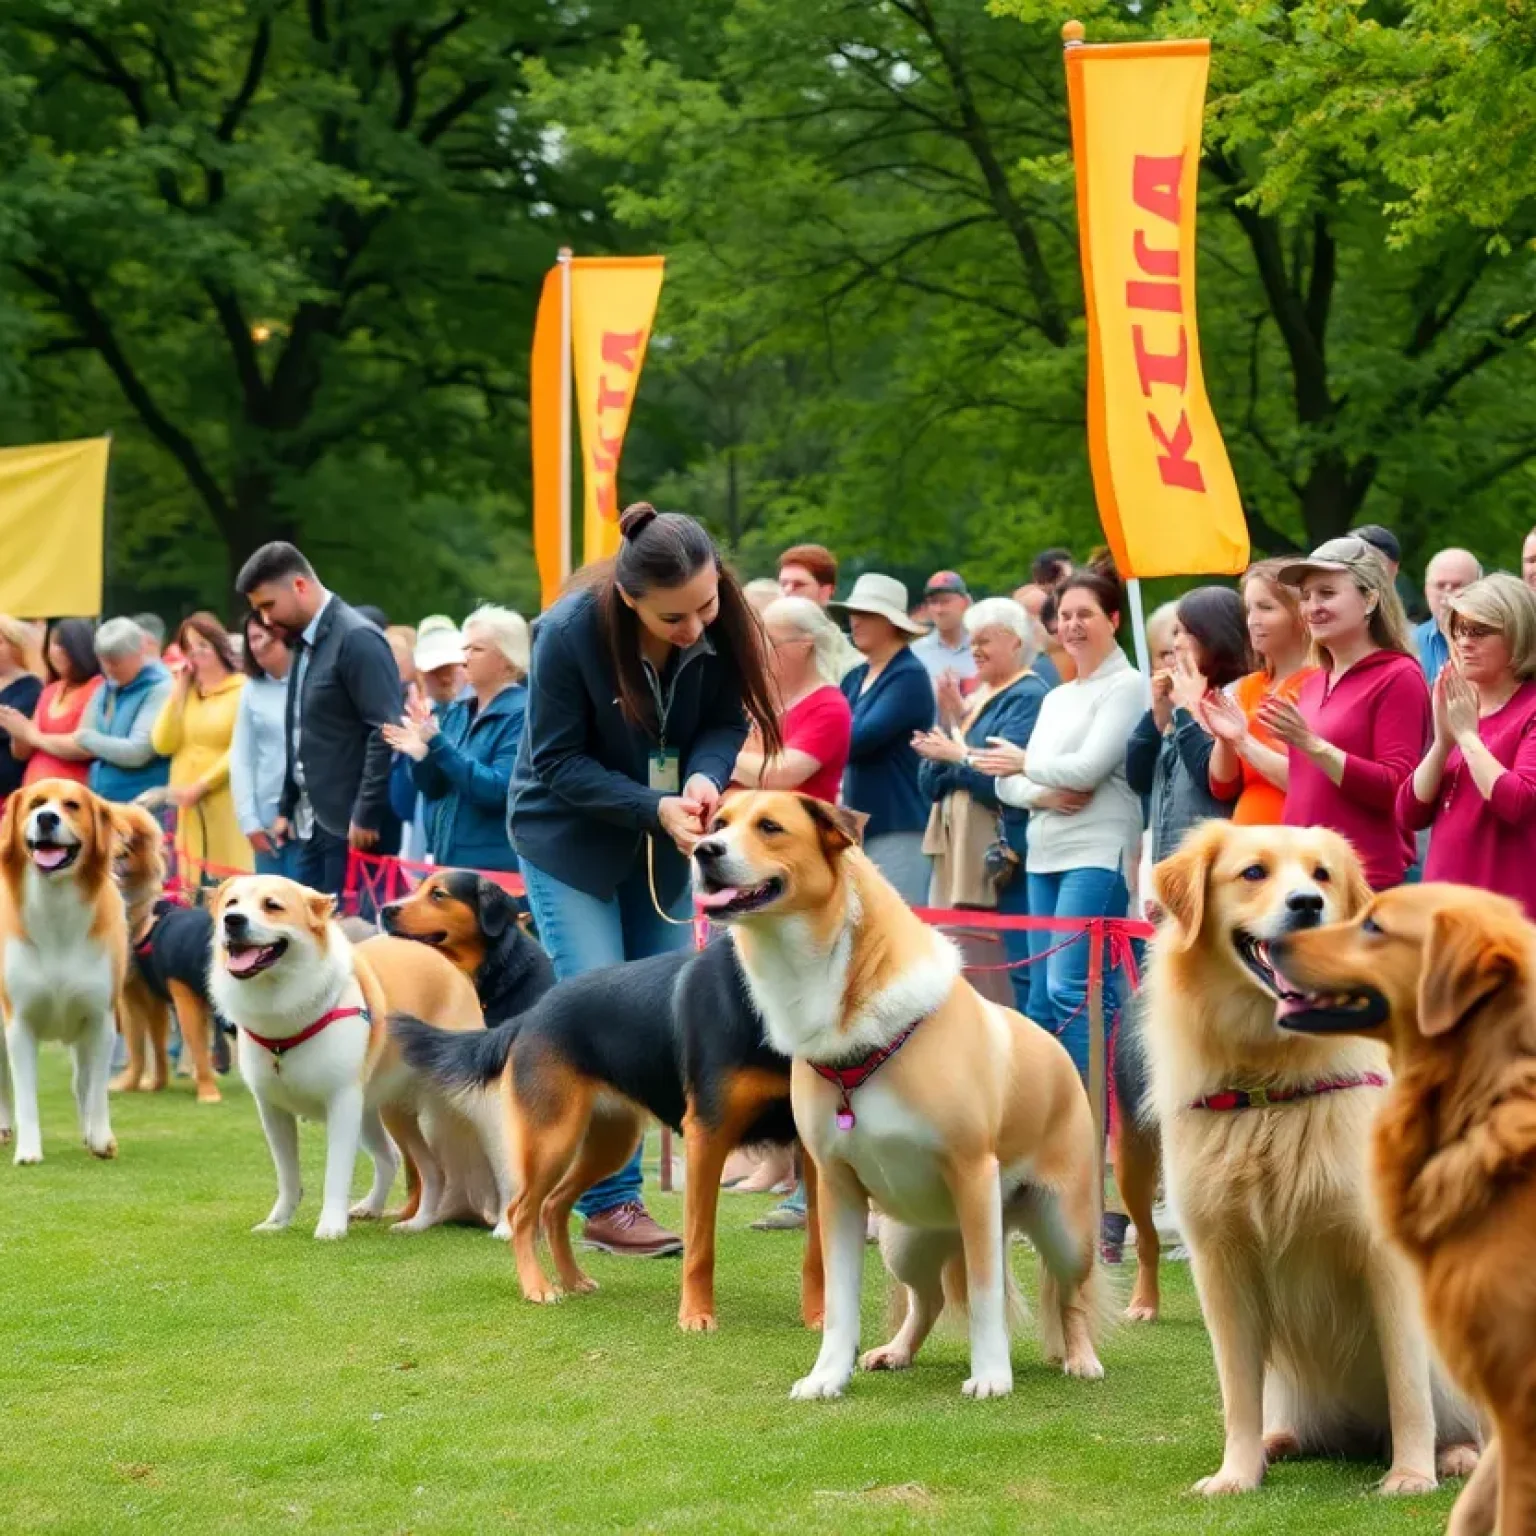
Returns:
<point x="629" y="1231"/>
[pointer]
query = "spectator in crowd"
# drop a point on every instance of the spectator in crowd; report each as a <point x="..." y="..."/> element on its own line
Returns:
<point x="343" y="688"/>
<point x="258" y="757"/>
<point x="815" y="722"/>
<point x="1085" y="822"/>
<point x="1361" y="722"/>
<point x="1169" y="757"/>
<point x="946" y="649"/>
<point x="967" y="819"/>
<point x="1054" y="659"/>
<point x="1250" y="767"/>
<point x="761" y="591"/>
<point x="1162" y="638"/>
<point x="892" y="700"/>
<point x="21" y="685"/>
<point x="1477" y="783"/>
<point x="1031" y="598"/>
<point x="1384" y="542"/>
<point x="642" y="681"/>
<point x="1528" y="559"/>
<point x="152" y="627"/>
<point x="46" y="743"/>
<point x="462" y="762"/>
<point x="119" y="723"/>
<point x="402" y="646"/>
<point x="439" y="660"/>
<point x="808" y="570"/>
<point x="1446" y="575"/>
<point x="1050" y="568"/>
<point x="196" y="729"/>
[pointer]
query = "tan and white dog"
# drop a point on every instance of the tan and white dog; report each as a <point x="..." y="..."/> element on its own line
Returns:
<point x="959" y="1119"/>
<point x="65" y="951"/>
<point x="311" y="1011"/>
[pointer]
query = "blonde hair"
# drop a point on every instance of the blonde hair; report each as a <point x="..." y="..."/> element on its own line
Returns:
<point x="1289" y="598"/>
<point x="826" y="638"/>
<point x="1502" y="602"/>
<point x="1159" y="617"/>
<point x="508" y="631"/>
<point x="22" y="638"/>
<point x="1388" y="622"/>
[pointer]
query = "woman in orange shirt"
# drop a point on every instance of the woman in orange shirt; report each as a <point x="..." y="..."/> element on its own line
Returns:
<point x="1248" y="764"/>
<point x="46" y="743"/>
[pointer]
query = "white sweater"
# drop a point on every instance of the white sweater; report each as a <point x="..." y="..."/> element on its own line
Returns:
<point x="1079" y="743"/>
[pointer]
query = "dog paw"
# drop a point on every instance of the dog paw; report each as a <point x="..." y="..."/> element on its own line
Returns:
<point x="1086" y="1367"/>
<point x="26" y="1156"/>
<point x="1405" y="1480"/>
<point x="1229" y="1480"/>
<point x="502" y="1231"/>
<point x="697" y="1322"/>
<point x="815" y="1318"/>
<point x="1457" y="1461"/>
<point x="209" y="1095"/>
<point x="819" y="1385"/>
<point x="1141" y="1312"/>
<point x="543" y="1296"/>
<point x="105" y="1150"/>
<point x="579" y="1285"/>
<point x="989" y="1384"/>
<point x="362" y="1211"/>
<point x="122" y="1083"/>
<point x="271" y="1224"/>
<point x="1281" y="1445"/>
<point x="889" y="1357"/>
<point x="330" y="1228"/>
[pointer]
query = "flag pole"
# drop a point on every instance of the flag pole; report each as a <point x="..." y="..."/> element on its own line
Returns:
<point x="1139" y="627"/>
<point x="566" y="539"/>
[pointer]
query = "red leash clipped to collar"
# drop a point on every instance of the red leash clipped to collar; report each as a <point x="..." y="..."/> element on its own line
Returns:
<point x="846" y="1079"/>
<point x="279" y="1048"/>
<point x="1262" y="1098"/>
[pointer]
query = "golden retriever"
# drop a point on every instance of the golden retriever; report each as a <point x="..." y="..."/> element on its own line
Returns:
<point x="1315" y="1319"/>
<point x="1447" y="977"/>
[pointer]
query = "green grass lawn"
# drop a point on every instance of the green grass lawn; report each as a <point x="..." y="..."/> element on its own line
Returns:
<point x="161" y="1369"/>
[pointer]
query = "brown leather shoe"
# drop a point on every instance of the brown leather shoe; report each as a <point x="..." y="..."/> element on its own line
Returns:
<point x="629" y="1231"/>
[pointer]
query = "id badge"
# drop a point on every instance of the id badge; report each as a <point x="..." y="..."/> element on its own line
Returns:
<point x="665" y="771"/>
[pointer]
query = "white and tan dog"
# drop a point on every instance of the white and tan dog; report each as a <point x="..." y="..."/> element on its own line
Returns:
<point x="65" y="951"/>
<point x="959" y="1119"/>
<point x="311" y="1011"/>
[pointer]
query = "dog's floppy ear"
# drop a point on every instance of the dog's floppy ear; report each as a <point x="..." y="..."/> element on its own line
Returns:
<point x="104" y="830"/>
<point x="1467" y="958"/>
<point x="839" y="826"/>
<point x="495" y="909"/>
<point x="220" y="892"/>
<point x="1180" y="882"/>
<point x="321" y="908"/>
<point x="13" y="855"/>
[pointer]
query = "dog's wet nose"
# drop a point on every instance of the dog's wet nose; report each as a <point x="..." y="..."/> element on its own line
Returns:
<point x="710" y="851"/>
<point x="1304" y="909"/>
<point x="388" y="914"/>
<point x="236" y="924"/>
<point x="47" y="821"/>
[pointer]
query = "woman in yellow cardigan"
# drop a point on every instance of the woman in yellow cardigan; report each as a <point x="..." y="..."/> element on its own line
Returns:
<point x="195" y="730"/>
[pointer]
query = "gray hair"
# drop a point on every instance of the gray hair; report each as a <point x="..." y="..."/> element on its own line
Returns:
<point x="118" y="638"/>
<point x="151" y="626"/>
<point x="810" y="619"/>
<point x="508" y="631"/>
<point x="1004" y="613"/>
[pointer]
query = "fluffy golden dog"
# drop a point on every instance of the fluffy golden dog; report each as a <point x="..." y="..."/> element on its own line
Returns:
<point x="1315" y="1319"/>
<point x="1447" y="977"/>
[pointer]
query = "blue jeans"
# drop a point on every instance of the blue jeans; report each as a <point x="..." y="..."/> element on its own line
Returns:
<point x="1013" y="901"/>
<point x="1059" y="986"/>
<point x="584" y="933"/>
<point x="282" y="861"/>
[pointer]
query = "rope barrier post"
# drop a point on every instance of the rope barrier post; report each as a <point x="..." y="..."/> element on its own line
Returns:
<point x="1097" y="1056"/>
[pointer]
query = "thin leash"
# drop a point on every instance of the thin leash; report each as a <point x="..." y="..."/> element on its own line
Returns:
<point x="650" y="871"/>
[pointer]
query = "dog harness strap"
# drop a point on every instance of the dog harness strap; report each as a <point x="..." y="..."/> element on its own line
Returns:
<point x="1262" y="1098"/>
<point x="279" y="1047"/>
<point x="846" y="1079"/>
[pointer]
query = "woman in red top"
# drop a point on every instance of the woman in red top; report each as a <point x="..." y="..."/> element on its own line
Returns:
<point x="1477" y="784"/>
<point x="46" y="742"/>
<point x="805" y="646"/>
<point x="1249" y="765"/>
<point x="1361" y="722"/>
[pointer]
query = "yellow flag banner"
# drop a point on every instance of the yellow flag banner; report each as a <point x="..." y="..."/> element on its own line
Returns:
<point x="1165" y="488"/>
<point x="53" y="499"/>
<point x="613" y="301"/>
<point x="544" y="407"/>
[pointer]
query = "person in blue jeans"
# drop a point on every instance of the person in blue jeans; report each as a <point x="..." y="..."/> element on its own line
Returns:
<point x="642" y="680"/>
<point x="258" y="750"/>
<point x="1084" y="818"/>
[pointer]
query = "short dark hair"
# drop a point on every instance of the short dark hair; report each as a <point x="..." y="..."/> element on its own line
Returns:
<point x="815" y="558"/>
<point x="1045" y="568"/>
<point x="1380" y="539"/>
<point x="1215" y="619"/>
<point x="374" y="614"/>
<point x="276" y="561"/>
<point x="77" y="639"/>
<point x="1102" y="582"/>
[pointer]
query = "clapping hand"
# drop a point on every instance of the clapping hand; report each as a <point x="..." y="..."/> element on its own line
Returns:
<point x="1187" y="687"/>
<point x="1162" y="699"/>
<point x="1000" y="759"/>
<point x="938" y="747"/>
<point x="1222" y="716"/>
<point x="951" y="700"/>
<point x="17" y="725"/>
<point x="1285" y="721"/>
<point x="419" y="712"/>
<point x="1461" y="702"/>
<point x="406" y="738"/>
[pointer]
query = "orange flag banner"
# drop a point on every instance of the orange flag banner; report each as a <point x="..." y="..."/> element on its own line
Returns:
<point x="550" y="550"/>
<point x="613" y="301"/>
<point x="1167" y="496"/>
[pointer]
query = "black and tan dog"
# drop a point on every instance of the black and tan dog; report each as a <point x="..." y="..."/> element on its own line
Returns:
<point x="475" y="924"/>
<point x="676" y="1038"/>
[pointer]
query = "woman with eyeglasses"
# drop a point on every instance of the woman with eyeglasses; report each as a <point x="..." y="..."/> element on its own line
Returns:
<point x="1476" y="787"/>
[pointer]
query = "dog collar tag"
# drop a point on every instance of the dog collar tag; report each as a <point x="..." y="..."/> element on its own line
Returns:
<point x="845" y="1119"/>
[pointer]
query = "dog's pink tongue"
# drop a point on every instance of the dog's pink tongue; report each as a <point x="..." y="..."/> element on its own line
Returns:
<point x="243" y="960"/>
<point x="713" y="900"/>
<point x="1289" y="1005"/>
<point x="49" y="858"/>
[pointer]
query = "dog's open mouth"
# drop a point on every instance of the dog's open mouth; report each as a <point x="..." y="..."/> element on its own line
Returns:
<point x="721" y="902"/>
<point x="243" y="961"/>
<point x="1254" y="953"/>
<point x="1330" y="1013"/>
<point x="51" y="857"/>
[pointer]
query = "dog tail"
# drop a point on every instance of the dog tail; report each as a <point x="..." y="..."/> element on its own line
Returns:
<point x="459" y="1060"/>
